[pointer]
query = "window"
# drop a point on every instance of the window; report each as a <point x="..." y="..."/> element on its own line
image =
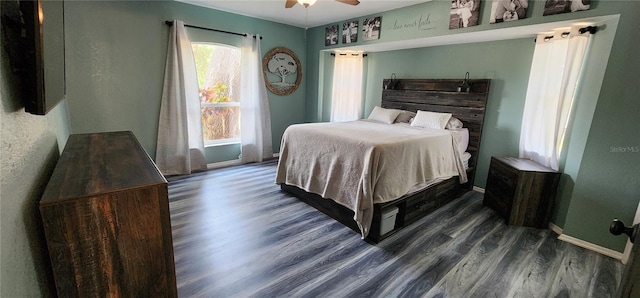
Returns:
<point x="553" y="81"/>
<point x="218" y="69"/>
<point x="346" y="95"/>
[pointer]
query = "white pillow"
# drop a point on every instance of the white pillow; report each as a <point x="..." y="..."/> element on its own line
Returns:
<point x="384" y="115"/>
<point x="453" y="123"/>
<point x="431" y="119"/>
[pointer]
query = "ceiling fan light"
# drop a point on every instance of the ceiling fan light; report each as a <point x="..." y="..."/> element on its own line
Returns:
<point x="306" y="3"/>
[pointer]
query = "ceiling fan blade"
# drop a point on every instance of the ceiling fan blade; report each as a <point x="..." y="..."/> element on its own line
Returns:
<point x="290" y="3"/>
<point x="350" y="2"/>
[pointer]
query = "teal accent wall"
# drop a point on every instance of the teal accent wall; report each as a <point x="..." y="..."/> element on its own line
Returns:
<point x="583" y="110"/>
<point x="116" y="60"/>
<point x="599" y="181"/>
<point x="608" y="181"/>
<point x="324" y="98"/>
<point x="30" y="146"/>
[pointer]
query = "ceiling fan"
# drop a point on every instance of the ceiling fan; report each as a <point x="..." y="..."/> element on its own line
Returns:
<point x="307" y="3"/>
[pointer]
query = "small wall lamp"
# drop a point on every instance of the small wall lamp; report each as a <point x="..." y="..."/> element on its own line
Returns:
<point x="465" y="85"/>
<point x="392" y="83"/>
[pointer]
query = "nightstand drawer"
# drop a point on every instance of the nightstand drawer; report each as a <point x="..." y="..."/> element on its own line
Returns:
<point x="498" y="171"/>
<point x="502" y="184"/>
<point x="497" y="202"/>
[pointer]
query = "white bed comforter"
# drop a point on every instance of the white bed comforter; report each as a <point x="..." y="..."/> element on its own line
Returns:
<point x="363" y="162"/>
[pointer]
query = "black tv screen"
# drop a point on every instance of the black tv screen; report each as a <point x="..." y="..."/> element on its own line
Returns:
<point x="35" y="30"/>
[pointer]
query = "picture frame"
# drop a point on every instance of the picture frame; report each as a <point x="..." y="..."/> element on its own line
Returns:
<point x="552" y="7"/>
<point x="350" y="32"/>
<point x="508" y="10"/>
<point x="278" y="67"/>
<point x="371" y="28"/>
<point x="464" y="13"/>
<point x="331" y="35"/>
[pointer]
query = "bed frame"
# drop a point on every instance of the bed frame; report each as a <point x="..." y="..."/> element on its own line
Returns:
<point x="437" y="95"/>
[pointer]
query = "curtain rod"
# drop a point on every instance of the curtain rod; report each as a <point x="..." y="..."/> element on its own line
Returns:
<point x="344" y="54"/>
<point x="170" y="23"/>
<point x="590" y="29"/>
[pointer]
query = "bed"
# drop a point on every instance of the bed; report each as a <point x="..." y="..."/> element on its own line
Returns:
<point x="357" y="171"/>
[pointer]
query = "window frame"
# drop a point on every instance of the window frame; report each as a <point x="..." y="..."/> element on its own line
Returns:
<point x="219" y="142"/>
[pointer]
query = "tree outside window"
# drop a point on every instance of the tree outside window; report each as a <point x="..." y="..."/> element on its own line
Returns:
<point x="218" y="69"/>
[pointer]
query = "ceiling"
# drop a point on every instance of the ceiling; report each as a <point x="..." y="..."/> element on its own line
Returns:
<point x="321" y="13"/>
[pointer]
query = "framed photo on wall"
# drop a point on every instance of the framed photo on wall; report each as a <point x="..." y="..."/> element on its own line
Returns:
<point x="464" y="13"/>
<point x="562" y="6"/>
<point x="371" y="28"/>
<point x="331" y="35"/>
<point x="508" y="10"/>
<point x="350" y="32"/>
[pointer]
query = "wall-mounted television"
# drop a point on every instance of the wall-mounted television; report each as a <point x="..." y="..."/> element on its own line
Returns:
<point x="35" y="43"/>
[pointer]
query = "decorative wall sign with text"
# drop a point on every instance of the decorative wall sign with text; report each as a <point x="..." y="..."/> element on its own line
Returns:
<point x="282" y="71"/>
<point x="422" y="22"/>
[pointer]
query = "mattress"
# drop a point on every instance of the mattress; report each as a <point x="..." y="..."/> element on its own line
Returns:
<point x="363" y="162"/>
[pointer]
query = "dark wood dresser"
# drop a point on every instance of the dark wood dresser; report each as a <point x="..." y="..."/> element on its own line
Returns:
<point x="106" y="220"/>
<point x="521" y="190"/>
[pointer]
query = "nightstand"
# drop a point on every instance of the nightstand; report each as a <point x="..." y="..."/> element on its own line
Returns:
<point x="522" y="191"/>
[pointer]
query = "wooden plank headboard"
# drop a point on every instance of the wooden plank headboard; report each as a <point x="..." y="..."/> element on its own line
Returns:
<point x="440" y="95"/>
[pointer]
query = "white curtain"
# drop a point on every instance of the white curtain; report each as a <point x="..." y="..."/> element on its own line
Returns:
<point x="255" y="119"/>
<point x="180" y="148"/>
<point x="554" y="78"/>
<point x="346" y="96"/>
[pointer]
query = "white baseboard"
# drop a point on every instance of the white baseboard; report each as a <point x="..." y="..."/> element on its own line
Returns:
<point x="229" y="163"/>
<point x="590" y="246"/>
<point x="584" y="244"/>
<point x="478" y="189"/>
<point x="223" y="164"/>
<point x="555" y="229"/>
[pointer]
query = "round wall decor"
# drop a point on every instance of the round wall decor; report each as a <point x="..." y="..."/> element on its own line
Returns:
<point x="282" y="71"/>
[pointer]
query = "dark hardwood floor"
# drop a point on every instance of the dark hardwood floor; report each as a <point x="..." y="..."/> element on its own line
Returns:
<point x="236" y="234"/>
